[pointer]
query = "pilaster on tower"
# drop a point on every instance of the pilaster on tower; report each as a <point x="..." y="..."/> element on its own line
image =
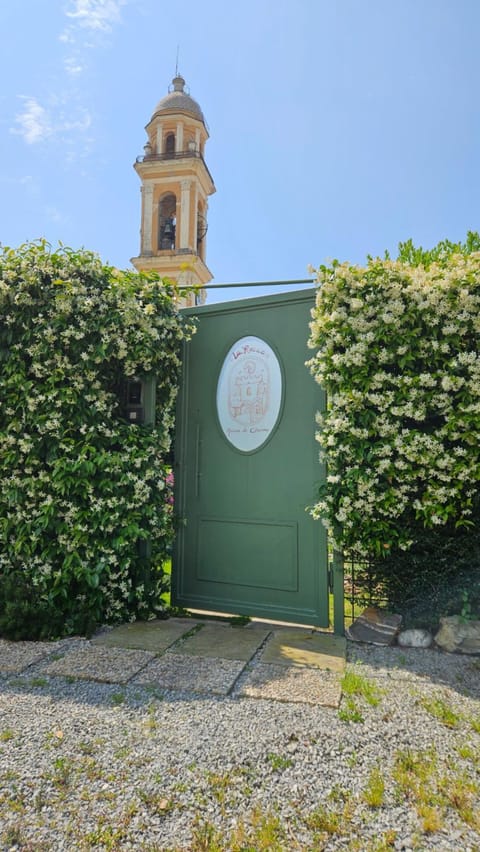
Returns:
<point x="175" y="187"/>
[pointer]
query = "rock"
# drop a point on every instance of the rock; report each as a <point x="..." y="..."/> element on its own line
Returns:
<point x="375" y="626"/>
<point x="415" y="638"/>
<point x="457" y="634"/>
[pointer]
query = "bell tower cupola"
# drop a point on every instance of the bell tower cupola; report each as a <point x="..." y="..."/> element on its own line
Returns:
<point x="175" y="187"/>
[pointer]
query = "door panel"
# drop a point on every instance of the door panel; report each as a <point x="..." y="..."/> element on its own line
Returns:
<point x="246" y="542"/>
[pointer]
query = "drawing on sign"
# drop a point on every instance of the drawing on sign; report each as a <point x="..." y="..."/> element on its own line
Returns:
<point x="249" y="385"/>
<point x="249" y="393"/>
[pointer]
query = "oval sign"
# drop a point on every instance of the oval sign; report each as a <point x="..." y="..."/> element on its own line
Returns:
<point x="249" y="393"/>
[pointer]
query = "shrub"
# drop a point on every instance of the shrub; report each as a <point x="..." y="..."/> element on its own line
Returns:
<point x="398" y="354"/>
<point x="80" y="486"/>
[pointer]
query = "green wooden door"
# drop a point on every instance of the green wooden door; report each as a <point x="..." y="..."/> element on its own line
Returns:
<point x="247" y="465"/>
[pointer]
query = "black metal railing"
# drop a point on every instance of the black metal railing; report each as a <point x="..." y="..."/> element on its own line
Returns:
<point x="173" y="155"/>
<point x="361" y="586"/>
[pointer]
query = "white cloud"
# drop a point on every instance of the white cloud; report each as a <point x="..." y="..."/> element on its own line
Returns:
<point x="66" y="36"/>
<point x="63" y="119"/>
<point x="90" y="21"/>
<point x="36" y="123"/>
<point x="96" y="14"/>
<point x="33" y="123"/>
<point x="82" y="123"/>
<point x="73" y="66"/>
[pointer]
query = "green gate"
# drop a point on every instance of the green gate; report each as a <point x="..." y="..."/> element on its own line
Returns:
<point x="247" y="466"/>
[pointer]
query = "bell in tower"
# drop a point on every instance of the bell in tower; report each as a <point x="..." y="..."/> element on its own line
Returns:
<point x="175" y="187"/>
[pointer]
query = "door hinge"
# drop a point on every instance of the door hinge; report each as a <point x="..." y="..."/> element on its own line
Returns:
<point x="330" y="578"/>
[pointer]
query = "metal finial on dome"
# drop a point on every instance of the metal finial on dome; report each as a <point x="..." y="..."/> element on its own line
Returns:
<point x="178" y="83"/>
<point x="179" y="100"/>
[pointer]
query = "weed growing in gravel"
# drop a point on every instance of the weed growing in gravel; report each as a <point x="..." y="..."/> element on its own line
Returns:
<point x="412" y="770"/>
<point x="374" y="792"/>
<point x="278" y="762"/>
<point x="385" y="843"/>
<point x="156" y="803"/>
<point x="151" y="721"/>
<point x="62" y="773"/>
<point x="467" y="752"/>
<point x="13" y="802"/>
<point x="90" y="768"/>
<point x="461" y="794"/>
<point x="54" y="739"/>
<point x="206" y="838"/>
<point x="325" y="820"/>
<point x="220" y="785"/>
<point x="355" y="684"/>
<point x="40" y="799"/>
<point x="86" y="747"/>
<point x="475" y="723"/>
<point x="339" y="794"/>
<point x="154" y="691"/>
<point x="122" y="752"/>
<point x="9" y="775"/>
<point x="440" y="710"/>
<point x="13" y="837"/>
<point x="6" y="735"/>
<point x="349" y="712"/>
<point x="226" y="787"/>
<point x="37" y="681"/>
<point x="105" y="837"/>
<point x="259" y="831"/>
<point x="28" y="683"/>
<point x="417" y="778"/>
<point x="117" y="698"/>
<point x="431" y="818"/>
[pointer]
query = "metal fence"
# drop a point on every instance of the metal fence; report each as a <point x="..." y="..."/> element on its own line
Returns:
<point x="361" y="586"/>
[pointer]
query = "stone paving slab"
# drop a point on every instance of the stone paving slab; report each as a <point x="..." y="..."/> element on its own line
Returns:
<point x="155" y="636"/>
<point x="230" y="643"/>
<point x="293" y="683"/>
<point x="292" y="647"/>
<point x="190" y="673"/>
<point x="108" y="665"/>
<point x="16" y="656"/>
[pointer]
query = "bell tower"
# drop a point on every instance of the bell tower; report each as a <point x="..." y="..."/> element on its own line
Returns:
<point x="175" y="187"/>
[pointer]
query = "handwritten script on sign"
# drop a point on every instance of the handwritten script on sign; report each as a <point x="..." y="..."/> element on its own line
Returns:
<point x="249" y="393"/>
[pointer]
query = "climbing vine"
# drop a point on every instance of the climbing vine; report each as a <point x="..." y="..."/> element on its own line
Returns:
<point x="81" y="487"/>
<point x="397" y="350"/>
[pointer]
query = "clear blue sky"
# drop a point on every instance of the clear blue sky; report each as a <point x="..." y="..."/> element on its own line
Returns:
<point x="338" y="127"/>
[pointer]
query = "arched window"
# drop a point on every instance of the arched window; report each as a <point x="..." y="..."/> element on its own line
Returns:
<point x="170" y="144"/>
<point x="167" y="222"/>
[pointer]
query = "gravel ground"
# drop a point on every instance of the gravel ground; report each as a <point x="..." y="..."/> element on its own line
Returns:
<point x="88" y="765"/>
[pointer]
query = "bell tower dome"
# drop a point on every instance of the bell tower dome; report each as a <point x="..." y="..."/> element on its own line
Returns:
<point x="175" y="187"/>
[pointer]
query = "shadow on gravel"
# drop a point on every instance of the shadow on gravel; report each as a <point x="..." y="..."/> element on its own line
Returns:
<point x="417" y="665"/>
<point x="393" y="665"/>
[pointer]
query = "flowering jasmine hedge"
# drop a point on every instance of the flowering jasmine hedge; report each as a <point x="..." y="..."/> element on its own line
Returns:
<point x="80" y="486"/>
<point x="398" y="354"/>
